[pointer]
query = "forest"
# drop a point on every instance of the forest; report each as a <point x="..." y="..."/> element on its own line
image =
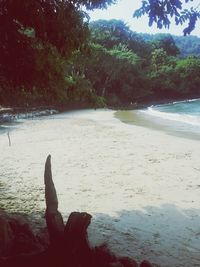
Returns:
<point x="51" y="54"/>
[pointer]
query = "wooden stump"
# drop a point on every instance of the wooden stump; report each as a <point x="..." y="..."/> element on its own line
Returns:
<point x="69" y="244"/>
<point x="54" y="218"/>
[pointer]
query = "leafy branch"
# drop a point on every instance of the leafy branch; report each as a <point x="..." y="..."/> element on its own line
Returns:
<point x="161" y="12"/>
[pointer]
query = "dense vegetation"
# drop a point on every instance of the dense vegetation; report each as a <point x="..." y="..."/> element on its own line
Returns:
<point x="124" y="68"/>
<point x="187" y="46"/>
<point x="51" y="55"/>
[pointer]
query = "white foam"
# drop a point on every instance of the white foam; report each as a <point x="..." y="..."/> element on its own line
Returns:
<point x="185" y="101"/>
<point x="184" y="118"/>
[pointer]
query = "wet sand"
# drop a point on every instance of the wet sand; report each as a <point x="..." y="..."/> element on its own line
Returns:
<point x="171" y="127"/>
<point x="141" y="185"/>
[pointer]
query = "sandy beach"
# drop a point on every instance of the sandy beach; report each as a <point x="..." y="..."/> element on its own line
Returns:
<point x="141" y="185"/>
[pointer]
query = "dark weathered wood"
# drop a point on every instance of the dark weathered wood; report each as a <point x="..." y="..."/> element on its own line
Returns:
<point x="146" y="264"/>
<point x="54" y="218"/>
<point x="50" y="191"/>
<point x="77" y="225"/>
<point x="76" y="239"/>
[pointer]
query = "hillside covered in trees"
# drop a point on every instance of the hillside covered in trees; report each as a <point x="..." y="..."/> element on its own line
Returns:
<point x="89" y="64"/>
<point x="187" y="45"/>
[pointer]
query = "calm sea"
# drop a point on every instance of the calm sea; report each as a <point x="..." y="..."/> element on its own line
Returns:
<point x="180" y="118"/>
<point x="184" y="111"/>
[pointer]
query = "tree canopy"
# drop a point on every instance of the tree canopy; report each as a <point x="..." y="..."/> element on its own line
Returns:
<point x="46" y="47"/>
<point x="112" y="32"/>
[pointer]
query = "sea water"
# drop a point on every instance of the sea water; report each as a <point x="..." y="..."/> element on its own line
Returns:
<point x="182" y="117"/>
<point x="187" y="111"/>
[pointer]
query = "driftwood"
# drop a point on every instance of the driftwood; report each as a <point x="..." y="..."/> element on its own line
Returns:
<point x="54" y="218"/>
<point x="72" y="245"/>
<point x="69" y="244"/>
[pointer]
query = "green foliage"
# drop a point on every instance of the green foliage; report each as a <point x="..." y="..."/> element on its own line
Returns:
<point x="79" y="91"/>
<point x="164" y="82"/>
<point x="44" y="18"/>
<point x="109" y="33"/>
<point x="92" y="4"/>
<point x="37" y="37"/>
<point x="186" y="45"/>
<point x="189" y="45"/>
<point x="114" y="32"/>
<point x="49" y="55"/>
<point x="116" y="73"/>
<point x="162" y="12"/>
<point x="158" y="58"/>
<point x="122" y="52"/>
<point x="162" y="74"/>
<point x="174" y="78"/>
<point x="167" y="43"/>
<point x="32" y="47"/>
<point x="189" y="72"/>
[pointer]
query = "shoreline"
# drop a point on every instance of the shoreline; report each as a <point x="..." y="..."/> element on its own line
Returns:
<point x="70" y="107"/>
<point x="12" y="113"/>
<point x="170" y="127"/>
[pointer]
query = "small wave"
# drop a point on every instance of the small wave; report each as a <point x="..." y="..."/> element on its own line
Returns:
<point x="193" y="100"/>
<point x="189" y="119"/>
<point x="177" y="102"/>
<point x="185" y="101"/>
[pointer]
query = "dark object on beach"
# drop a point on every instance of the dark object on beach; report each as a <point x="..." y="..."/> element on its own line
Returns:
<point x="9" y="141"/>
<point x="53" y="217"/>
<point x="68" y="246"/>
<point x="146" y="264"/>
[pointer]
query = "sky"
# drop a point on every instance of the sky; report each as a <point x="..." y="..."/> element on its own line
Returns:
<point x="124" y="10"/>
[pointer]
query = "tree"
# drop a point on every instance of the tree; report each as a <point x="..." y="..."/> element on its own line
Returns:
<point x="60" y="23"/>
<point x="189" y="73"/>
<point x="166" y="42"/>
<point x="110" y="33"/>
<point x="162" y="12"/>
<point x="188" y="46"/>
<point x="36" y="37"/>
<point x="162" y="75"/>
<point x="115" y="74"/>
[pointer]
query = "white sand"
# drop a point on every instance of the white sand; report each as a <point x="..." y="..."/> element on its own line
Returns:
<point x="142" y="186"/>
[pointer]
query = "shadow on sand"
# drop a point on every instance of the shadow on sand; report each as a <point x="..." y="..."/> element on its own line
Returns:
<point x="166" y="235"/>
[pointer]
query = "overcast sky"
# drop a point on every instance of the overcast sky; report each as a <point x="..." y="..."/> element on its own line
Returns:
<point x="124" y="10"/>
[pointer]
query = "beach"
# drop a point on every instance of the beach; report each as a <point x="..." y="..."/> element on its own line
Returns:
<point x="141" y="185"/>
